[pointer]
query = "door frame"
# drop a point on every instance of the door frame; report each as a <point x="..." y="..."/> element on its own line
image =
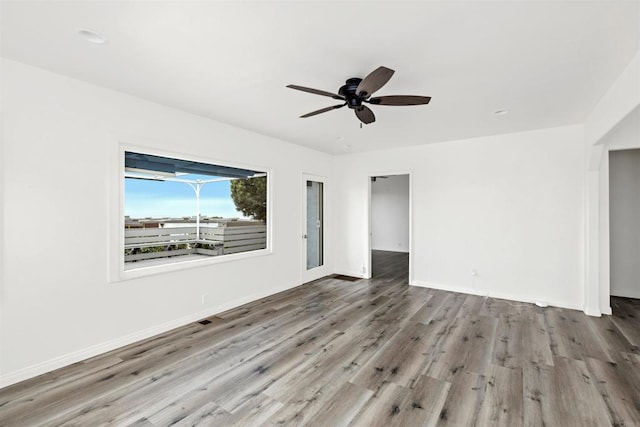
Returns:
<point x="369" y="272"/>
<point x="321" y="271"/>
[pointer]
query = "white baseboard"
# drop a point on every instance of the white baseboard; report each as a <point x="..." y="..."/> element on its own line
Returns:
<point x="95" y="350"/>
<point x="492" y="294"/>
<point x="443" y="287"/>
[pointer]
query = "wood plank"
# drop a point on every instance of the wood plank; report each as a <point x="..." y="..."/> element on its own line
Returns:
<point x="394" y="405"/>
<point x="510" y="310"/>
<point x="207" y="415"/>
<point x="619" y="385"/>
<point x="471" y="306"/>
<point x="243" y="230"/>
<point x="467" y="345"/>
<point x="626" y="318"/>
<point x="312" y="384"/>
<point x="168" y="238"/>
<point x="356" y="312"/>
<point x="405" y="303"/>
<point x="255" y="411"/>
<point x="427" y="399"/>
<point x="137" y="232"/>
<point x="611" y="336"/>
<point x="149" y="365"/>
<point x="23" y="393"/>
<point x="464" y="400"/>
<point x="197" y="406"/>
<point x="519" y="343"/>
<point x="503" y="400"/>
<point x="399" y="361"/>
<point x="170" y="382"/>
<point x="562" y="395"/>
<point x="243" y="242"/>
<point x="349" y="352"/>
<point x="573" y="336"/>
<point x="308" y="356"/>
<point x="442" y="307"/>
<point x="227" y="231"/>
<point x="343" y="406"/>
<point x="386" y="407"/>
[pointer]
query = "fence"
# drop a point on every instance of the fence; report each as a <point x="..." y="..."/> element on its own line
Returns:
<point x="212" y="241"/>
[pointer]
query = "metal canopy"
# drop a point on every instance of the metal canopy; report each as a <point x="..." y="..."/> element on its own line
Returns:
<point x="165" y="165"/>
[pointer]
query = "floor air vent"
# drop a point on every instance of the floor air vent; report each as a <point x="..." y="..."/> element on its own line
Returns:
<point x="204" y="322"/>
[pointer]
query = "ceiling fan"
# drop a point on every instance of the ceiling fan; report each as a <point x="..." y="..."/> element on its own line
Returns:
<point x="356" y="91"/>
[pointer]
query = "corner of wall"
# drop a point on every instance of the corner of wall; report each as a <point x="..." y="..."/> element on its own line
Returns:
<point x="620" y="99"/>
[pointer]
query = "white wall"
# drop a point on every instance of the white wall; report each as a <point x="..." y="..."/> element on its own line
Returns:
<point x="390" y="213"/>
<point x="624" y="199"/>
<point x="60" y="138"/>
<point x="508" y="206"/>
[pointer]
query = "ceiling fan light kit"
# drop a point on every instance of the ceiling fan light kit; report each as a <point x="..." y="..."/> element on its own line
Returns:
<point x="357" y="91"/>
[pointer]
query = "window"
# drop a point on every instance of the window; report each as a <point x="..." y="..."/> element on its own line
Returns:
<point x="180" y="210"/>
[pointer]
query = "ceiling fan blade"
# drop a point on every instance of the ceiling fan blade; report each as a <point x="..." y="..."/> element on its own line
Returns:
<point x="374" y="81"/>
<point x="315" y="91"/>
<point x="323" y="110"/>
<point x="400" y="100"/>
<point x="365" y="114"/>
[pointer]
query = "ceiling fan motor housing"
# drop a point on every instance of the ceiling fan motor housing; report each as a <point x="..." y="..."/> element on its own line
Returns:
<point x="349" y="92"/>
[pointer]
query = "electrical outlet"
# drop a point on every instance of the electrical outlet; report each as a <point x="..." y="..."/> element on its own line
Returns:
<point x="204" y="299"/>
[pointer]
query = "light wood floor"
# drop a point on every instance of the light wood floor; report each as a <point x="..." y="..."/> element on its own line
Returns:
<point x="371" y="352"/>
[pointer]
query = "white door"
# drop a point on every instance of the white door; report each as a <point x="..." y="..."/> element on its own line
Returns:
<point x="313" y="234"/>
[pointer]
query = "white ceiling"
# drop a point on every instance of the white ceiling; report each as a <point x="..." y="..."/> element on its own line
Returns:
<point x="548" y="63"/>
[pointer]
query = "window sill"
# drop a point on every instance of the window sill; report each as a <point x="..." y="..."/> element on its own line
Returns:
<point x="151" y="270"/>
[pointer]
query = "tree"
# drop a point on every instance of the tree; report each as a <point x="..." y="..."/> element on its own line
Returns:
<point x="250" y="196"/>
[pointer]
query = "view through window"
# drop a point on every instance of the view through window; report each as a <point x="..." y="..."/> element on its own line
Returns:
<point x="177" y="210"/>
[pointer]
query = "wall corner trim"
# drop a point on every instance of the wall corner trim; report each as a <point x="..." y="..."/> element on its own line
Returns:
<point x="593" y="313"/>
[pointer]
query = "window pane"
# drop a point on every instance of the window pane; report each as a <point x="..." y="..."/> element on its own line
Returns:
<point x="178" y="210"/>
<point x="314" y="225"/>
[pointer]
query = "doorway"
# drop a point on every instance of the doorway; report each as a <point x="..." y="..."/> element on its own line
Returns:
<point x="313" y="216"/>
<point x="624" y="223"/>
<point x="390" y="226"/>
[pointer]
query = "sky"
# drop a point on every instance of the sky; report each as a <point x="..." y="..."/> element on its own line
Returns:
<point x="155" y="199"/>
